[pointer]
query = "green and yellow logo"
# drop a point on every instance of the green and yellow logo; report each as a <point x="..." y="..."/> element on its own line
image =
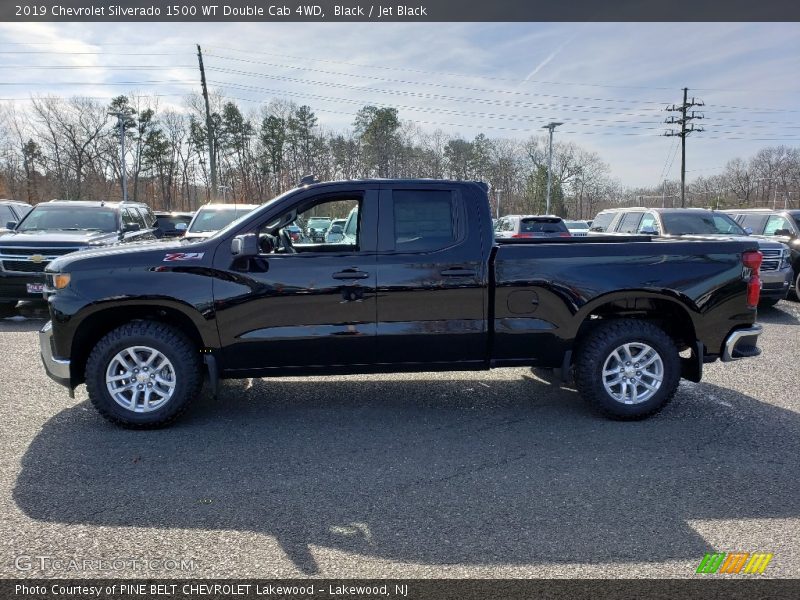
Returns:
<point x="735" y="562"/>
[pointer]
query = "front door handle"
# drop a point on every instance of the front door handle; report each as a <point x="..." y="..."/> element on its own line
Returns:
<point x="350" y="274"/>
<point x="459" y="272"/>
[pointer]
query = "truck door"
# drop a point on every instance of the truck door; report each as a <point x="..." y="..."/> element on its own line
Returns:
<point x="310" y="307"/>
<point x="431" y="277"/>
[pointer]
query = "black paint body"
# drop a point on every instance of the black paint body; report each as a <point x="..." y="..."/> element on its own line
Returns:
<point x="473" y="305"/>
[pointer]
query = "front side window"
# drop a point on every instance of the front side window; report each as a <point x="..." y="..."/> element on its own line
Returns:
<point x="6" y="215"/>
<point x="648" y="223"/>
<point x="700" y="223"/>
<point x="424" y="220"/>
<point x="775" y="223"/>
<point x="630" y="222"/>
<point x="309" y="229"/>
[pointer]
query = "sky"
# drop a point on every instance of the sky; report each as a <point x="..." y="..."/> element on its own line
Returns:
<point x="609" y="83"/>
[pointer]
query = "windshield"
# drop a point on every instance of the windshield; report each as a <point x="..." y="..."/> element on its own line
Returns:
<point x="69" y="218"/>
<point x="214" y="219"/>
<point x="706" y="223"/>
<point x="577" y="225"/>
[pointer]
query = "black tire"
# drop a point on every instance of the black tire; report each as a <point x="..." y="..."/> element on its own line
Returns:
<point x="599" y="345"/>
<point x="797" y="287"/>
<point x="167" y="340"/>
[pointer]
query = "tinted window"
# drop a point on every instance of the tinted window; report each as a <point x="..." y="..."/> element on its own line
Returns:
<point x="169" y="223"/>
<point x="423" y="220"/>
<point x="630" y="222"/>
<point x="602" y="221"/>
<point x="542" y="226"/>
<point x="149" y="216"/>
<point x="138" y="216"/>
<point x="700" y="223"/>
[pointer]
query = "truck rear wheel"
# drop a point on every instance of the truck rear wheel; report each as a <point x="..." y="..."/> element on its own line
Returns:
<point x="628" y="369"/>
<point x="143" y="374"/>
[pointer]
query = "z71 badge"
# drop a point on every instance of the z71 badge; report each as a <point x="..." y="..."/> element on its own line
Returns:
<point x="174" y="256"/>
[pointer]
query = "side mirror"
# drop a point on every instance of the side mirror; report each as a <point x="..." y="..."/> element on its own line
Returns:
<point x="11" y="225"/>
<point x="181" y="227"/>
<point x="649" y="231"/>
<point x="783" y="232"/>
<point x="131" y="227"/>
<point x="748" y="231"/>
<point x="243" y="246"/>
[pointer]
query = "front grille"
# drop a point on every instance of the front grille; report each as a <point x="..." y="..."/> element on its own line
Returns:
<point x="30" y="251"/>
<point x="772" y="259"/>
<point x="24" y="266"/>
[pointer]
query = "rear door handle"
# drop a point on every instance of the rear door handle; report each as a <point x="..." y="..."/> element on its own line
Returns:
<point x="350" y="274"/>
<point x="459" y="272"/>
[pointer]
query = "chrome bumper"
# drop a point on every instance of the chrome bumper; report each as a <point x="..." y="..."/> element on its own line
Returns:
<point x="741" y="343"/>
<point x="57" y="368"/>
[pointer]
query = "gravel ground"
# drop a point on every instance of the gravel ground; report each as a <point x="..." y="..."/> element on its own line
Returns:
<point x="497" y="474"/>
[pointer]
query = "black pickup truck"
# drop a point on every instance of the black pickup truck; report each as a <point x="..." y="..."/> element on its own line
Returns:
<point x="422" y="285"/>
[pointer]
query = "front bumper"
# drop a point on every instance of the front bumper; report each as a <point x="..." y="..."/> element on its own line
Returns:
<point x="775" y="285"/>
<point x="14" y="286"/>
<point x="57" y="368"/>
<point x="741" y="343"/>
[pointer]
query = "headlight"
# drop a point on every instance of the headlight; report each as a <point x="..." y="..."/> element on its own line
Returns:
<point x="786" y="258"/>
<point x="61" y="280"/>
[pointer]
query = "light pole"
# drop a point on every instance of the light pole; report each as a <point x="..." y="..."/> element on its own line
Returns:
<point x="551" y="126"/>
<point x="497" y="198"/>
<point x="121" y="116"/>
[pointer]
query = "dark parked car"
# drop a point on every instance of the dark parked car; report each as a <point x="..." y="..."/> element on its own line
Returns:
<point x="11" y="213"/>
<point x="317" y="227"/>
<point x="782" y="226"/>
<point x="530" y="226"/>
<point x="52" y="229"/>
<point x="210" y="218"/>
<point x="777" y="274"/>
<point x="424" y="287"/>
<point x="173" y="224"/>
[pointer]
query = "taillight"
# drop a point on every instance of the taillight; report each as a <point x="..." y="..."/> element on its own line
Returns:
<point x="522" y="235"/>
<point x="752" y="260"/>
<point x="565" y="234"/>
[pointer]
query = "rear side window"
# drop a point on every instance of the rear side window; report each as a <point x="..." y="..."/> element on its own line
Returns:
<point x="630" y="222"/>
<point x="149" y="216"/>
<point x="424" y="220"/>
<point x="648" y="223"/>
<point x="602" y="221"/>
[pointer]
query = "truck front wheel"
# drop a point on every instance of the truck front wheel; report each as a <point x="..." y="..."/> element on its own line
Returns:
<point x="143" y="374"/>
<point x="628" y="369"/>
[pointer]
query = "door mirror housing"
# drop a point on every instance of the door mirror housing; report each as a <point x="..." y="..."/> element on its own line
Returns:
<point x="131" y="227"/>
<point x="11" y="225"/>
<point x="748" y="231"/>
<point x="181" y="227"/>
<point x="784" y="232"/>
<point x="244" y="246"/>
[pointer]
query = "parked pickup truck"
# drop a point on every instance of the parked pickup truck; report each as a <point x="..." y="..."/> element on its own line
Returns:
<point x="422" y="286"/>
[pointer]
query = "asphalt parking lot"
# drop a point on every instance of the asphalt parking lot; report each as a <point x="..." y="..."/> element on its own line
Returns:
<point x="497" y="474"/>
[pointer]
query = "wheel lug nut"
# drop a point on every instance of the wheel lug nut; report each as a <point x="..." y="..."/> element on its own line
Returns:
<point x="636" y="365"/>
<point x="638" y="372"/>
<point x="140" y="386"/>
<point x="136" y="370"/>
<point x="628" y="364"/>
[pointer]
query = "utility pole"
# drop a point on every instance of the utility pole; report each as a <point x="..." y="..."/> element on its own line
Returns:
<point x="212" y="159"/>
<point x="121" y="117"/>
<point x="551" y="126"/>
<point x="497" y="199"/>
<point x="664" y="195"/>
<point x="683" y="121"/>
